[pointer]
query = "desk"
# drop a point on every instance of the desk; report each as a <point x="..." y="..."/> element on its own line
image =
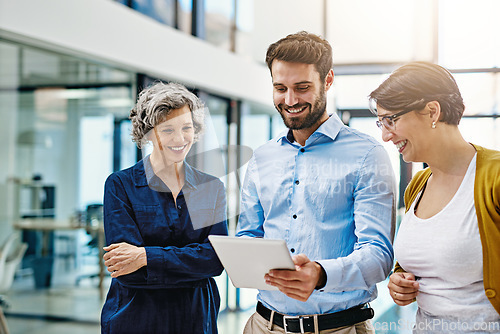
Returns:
<point x="45" y="225"/>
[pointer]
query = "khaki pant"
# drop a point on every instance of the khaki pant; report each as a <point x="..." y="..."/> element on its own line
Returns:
<point x="259" y="325"/>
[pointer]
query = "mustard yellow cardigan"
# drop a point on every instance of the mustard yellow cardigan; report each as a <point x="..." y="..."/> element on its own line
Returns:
<point x="487" y="204"/>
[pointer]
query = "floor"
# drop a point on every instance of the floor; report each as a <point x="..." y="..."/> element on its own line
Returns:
<point x="68" y="308"/>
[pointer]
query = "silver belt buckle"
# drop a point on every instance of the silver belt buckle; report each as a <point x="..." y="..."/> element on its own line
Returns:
<point x="301" y="322"/>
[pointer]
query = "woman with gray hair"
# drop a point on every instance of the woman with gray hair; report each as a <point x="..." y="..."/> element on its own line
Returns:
<point x="158" y="215"/>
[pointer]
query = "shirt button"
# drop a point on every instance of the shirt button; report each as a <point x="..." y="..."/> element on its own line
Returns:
<point x="294" y="216"/>
<point x="297" y="182"/>
<point x="490" y="293"/>
<point x="292" y="250"/>
<point x="179" y="207"/>
<point x="302" y="150"/>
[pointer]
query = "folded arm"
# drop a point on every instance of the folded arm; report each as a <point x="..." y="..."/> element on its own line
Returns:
<point x="141" y="266"/>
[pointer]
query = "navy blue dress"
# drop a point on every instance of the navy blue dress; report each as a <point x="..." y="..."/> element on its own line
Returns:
<point x="175" y="292"/>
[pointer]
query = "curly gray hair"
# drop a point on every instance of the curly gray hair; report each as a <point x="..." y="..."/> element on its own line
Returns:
<point x="155" y="103"/>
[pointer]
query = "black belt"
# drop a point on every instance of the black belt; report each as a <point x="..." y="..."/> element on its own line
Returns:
<point x="304" y="324"/>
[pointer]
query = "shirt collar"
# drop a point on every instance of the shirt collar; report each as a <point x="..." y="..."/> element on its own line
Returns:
<point x="144" y="175"/>
<point x="330" y="128"/>
<point x="190" y="177"/>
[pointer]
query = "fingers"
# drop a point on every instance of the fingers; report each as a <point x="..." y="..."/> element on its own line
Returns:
<point x="295" y="294"/>
<point x="403" y="288"/>
<point x="285" y="283"/>
<point x="300" y="259"/>
<point x="113" y="258"/>
<point x="111" y="250"/>
<point x="292" y="288"/>
<point x="106" y="256"/>
<point x="115" y="249"/>
<point x="406" y="276"/>
<point x="116" y="273"/>
<point x="118" y="267"/>
<point x="403" y="280"/>
<point x="124" y="268"/>
<point x="298" y="284"/>
<point x="283" y="274"/>
<point x="113" y="264"/>
<point x="403" y="299"/>
<point x="123" y="258"/>
<point x="112" y="246"/>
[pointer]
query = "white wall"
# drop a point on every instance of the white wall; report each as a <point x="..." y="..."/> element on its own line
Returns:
<point x="110" y="32"/>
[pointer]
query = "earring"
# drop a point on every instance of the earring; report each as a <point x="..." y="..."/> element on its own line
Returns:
<point x="433" y="125"/>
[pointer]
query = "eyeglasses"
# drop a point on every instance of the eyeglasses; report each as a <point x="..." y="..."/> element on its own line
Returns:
<point x="389" y="122"/>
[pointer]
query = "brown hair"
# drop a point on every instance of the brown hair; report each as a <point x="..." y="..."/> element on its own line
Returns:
<point x="415" y="84"/>
<point x="302" y="47"/>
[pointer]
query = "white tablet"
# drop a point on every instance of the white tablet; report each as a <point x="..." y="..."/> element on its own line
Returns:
<point x="247" y="260"/>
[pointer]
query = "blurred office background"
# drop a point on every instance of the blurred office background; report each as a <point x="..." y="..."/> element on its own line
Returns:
<point x="70" y="72"/>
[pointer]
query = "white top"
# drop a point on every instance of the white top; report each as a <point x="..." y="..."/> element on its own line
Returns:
<point x="445" y="252"/>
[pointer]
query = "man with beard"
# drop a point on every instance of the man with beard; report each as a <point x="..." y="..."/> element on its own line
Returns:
<point x="328" y="190"/>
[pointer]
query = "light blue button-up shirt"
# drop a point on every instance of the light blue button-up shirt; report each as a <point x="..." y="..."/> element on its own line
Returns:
<point x="332" y="200"/>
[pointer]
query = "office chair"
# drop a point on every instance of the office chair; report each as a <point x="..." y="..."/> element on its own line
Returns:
<point x="93" y="221"/>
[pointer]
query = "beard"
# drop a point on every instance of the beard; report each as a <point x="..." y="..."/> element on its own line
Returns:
<point x="310" y="119"/>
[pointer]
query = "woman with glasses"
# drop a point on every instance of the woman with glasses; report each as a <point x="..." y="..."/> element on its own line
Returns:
<point x="448" y="244"/>
<point x="158" y="215"/>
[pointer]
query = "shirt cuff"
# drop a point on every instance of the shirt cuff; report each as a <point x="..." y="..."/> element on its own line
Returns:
<point x="154" y="257"/>
<point x="333" y="270"/>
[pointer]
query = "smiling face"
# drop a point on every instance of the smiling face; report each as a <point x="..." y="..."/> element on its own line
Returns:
<point x="299" y="95"/>
<point x="174" y="137"/>
<point x="410" y="133"/>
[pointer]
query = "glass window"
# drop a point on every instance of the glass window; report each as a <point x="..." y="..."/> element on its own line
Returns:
<point x="468" y="33"/>
<point x="161" y="10"/>
<point x="366" y="31"/>
<point x="42" y="68"/>
<point x="128" y="149"/>
<point x="277" y="18"/>
<point x="218" y="21"/>
<point x="184" y="14"/>
<point x="210" y="152"/>
<point x="278" y="125"/>
<point x="481" y="131"/>
<point x="56" y="132"/>
<point x="478" y="92"/>
<point x="95" y="156"/>
<point x="257" y="127"/>
<point x="245" y="27"/>
<point x="351" y="91"/>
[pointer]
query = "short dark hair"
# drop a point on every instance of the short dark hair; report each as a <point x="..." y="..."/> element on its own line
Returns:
<point x="415" y="84"/>
<point x="302" y="47"/>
